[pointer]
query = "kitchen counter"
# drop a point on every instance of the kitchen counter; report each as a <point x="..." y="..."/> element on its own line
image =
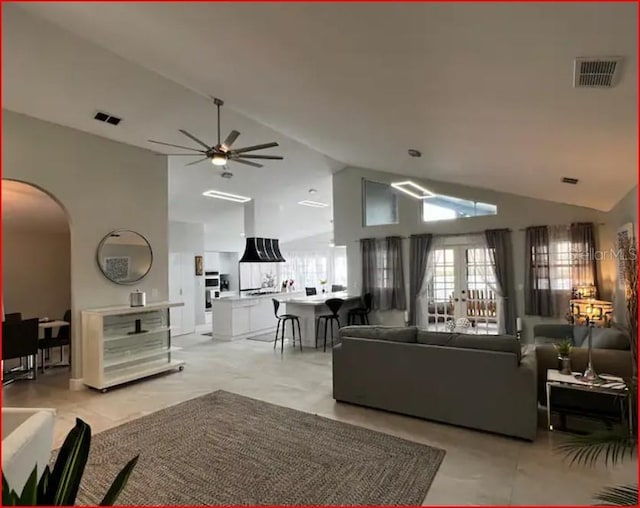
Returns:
<point x="243" y="316"/>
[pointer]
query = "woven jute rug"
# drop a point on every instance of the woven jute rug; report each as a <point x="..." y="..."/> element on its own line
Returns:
<point x="224" y="448"/>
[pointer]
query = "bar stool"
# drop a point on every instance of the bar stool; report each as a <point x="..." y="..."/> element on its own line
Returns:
<point x="283" y="318"/>
<point x="361" y="312"/>
<point x="334" y="305"/>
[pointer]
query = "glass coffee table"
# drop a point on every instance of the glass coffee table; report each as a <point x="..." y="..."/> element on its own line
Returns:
<point x="611" y="386"/>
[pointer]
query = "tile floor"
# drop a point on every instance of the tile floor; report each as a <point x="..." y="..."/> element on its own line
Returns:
<point x="479" y="468"/>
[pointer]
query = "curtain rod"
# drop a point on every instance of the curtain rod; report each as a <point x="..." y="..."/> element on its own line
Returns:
<point x="433" y="234"/>
<point x="558" y="225"/>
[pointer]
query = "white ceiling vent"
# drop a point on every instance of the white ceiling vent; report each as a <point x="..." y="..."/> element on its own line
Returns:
<point x="600" y="72"/>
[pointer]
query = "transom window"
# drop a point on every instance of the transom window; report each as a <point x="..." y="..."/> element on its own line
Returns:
<point x="442" y="207"/>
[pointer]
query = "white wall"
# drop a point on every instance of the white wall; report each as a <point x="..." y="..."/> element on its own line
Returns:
<point x="189" y="237"/>
<point x="36" y="273"/>
<point x="103" y="185"/>
<point x="514" y="212"/>
<point x="225" y="233"/>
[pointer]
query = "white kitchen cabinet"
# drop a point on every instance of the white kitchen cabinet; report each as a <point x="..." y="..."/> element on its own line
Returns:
<point x="242" y="317"/>
<point x="182" y="287"/>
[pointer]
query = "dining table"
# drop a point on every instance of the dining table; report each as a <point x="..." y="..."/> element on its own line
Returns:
<point x="308" y="308"/>
<point x="47" y="326"/>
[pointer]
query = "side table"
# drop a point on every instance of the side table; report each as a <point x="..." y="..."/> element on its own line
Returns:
<point x="611" y="385"/>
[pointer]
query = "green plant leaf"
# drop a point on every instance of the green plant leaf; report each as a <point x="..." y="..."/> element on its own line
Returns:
<point x="119" y="483"/>
<point x="30" y="490"/>
<point x="69" y="467"/>
<point x="615" y="446"/>
<point x="621" y="495"/>
<point x="44" y="490"/>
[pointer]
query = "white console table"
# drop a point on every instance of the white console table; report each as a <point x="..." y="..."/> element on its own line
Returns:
<point x="122" y="344"/>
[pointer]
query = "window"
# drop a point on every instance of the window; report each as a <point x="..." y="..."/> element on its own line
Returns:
<point x="560" y="265"/>
<point x="308" y="268"/>
<point x="380" y="204"/>
<point x="442" y="207"/>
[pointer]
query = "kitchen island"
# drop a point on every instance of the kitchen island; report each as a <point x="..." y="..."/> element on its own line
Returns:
<point x="244" y="316"/>
<point x="308" y="308"/>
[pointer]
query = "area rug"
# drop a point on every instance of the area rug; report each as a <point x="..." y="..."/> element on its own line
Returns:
<point x="264" y="338"/>
<point x="225" y="449"/>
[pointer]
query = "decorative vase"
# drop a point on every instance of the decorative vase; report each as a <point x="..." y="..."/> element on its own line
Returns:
<point x="564" y="364"/>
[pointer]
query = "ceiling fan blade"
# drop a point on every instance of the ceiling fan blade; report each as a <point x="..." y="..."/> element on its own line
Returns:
<point x="175" y="146"/>
<point x="196" y="162"/>
<point x="182" y="154"/>
<point x="191" y="136"/>
<point x="270" y="157"/>
<point x="226" y="145"/>
<point x="255" y="147"/>
<point x="248" y="163"/>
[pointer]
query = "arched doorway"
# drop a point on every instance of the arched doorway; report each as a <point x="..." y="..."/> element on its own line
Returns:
<point x="36" y="281"/>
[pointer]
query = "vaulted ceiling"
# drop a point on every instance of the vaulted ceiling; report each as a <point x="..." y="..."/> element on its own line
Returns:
<point x="484" y="91"/>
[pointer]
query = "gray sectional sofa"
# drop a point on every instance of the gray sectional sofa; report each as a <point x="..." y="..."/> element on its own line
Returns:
<point x="481" y="382"/>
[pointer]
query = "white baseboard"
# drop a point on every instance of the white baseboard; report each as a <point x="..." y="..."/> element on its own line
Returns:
<point x="76" y="384"/>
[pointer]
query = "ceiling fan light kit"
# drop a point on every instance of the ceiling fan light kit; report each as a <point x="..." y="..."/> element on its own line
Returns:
<point x="222" y="153"/>
<point x="413" y="189"/>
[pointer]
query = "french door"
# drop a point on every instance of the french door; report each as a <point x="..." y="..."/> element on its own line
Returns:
<point x="460" y="290"/>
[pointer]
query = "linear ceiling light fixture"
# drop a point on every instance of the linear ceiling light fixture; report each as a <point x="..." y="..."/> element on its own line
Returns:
<point x="313" y="204"/>
<point x="225" y="195"/>
<point x="413" y="189"/>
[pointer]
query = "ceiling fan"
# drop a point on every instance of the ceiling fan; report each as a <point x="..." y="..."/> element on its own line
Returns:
<point x="221" y="153"/>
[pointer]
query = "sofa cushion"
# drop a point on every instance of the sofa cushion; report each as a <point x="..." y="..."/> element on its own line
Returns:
<point x="392" y="333"/>
<point x="499" y="343"/>
<point x="608" y="338"/>
<point x="579" y="335"/>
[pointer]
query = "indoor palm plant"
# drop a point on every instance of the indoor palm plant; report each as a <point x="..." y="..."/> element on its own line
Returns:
<point x="59" y="487"/>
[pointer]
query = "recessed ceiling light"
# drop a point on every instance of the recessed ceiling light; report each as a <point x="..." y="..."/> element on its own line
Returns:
<point x="313" y="204"/>
<point x="413" y="189"/>
<point x="225" y="195"/>
<point x="414" y="153"/>
<point x="312" y="191"/>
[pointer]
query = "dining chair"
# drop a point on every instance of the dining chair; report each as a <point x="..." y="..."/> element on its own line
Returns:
<point x="20" y="340"/>
<point x="311" y="291"/>
<point x="13" y="317"/>
<point x="62" y="339"/>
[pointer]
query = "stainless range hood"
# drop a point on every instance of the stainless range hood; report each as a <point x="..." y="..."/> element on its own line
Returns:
<point x="262" y="250"/>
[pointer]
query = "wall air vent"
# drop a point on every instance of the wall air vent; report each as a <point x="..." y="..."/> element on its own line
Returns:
<point x="572" y="181"/>
<point x="107" y="118"/>
<point x="594" y="72"/>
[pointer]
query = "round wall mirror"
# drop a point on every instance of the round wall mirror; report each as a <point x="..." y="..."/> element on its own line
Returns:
<point x="124" y="256"/>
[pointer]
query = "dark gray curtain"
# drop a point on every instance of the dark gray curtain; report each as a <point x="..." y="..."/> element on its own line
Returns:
<point x="584" y="269"/>
<point x="369" y="265"/>
<point x="395" y="266"/>
<point x="418" y="255"/>
<point x="537" y="289"/>
<point x="501" y="256"/>
<point x="383" y="272"/>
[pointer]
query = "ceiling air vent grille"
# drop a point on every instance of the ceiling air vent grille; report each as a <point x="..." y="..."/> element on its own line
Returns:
<point x="567" y="179"/>
<point x="596" y="72"/>
<point x="107" y="118"/>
